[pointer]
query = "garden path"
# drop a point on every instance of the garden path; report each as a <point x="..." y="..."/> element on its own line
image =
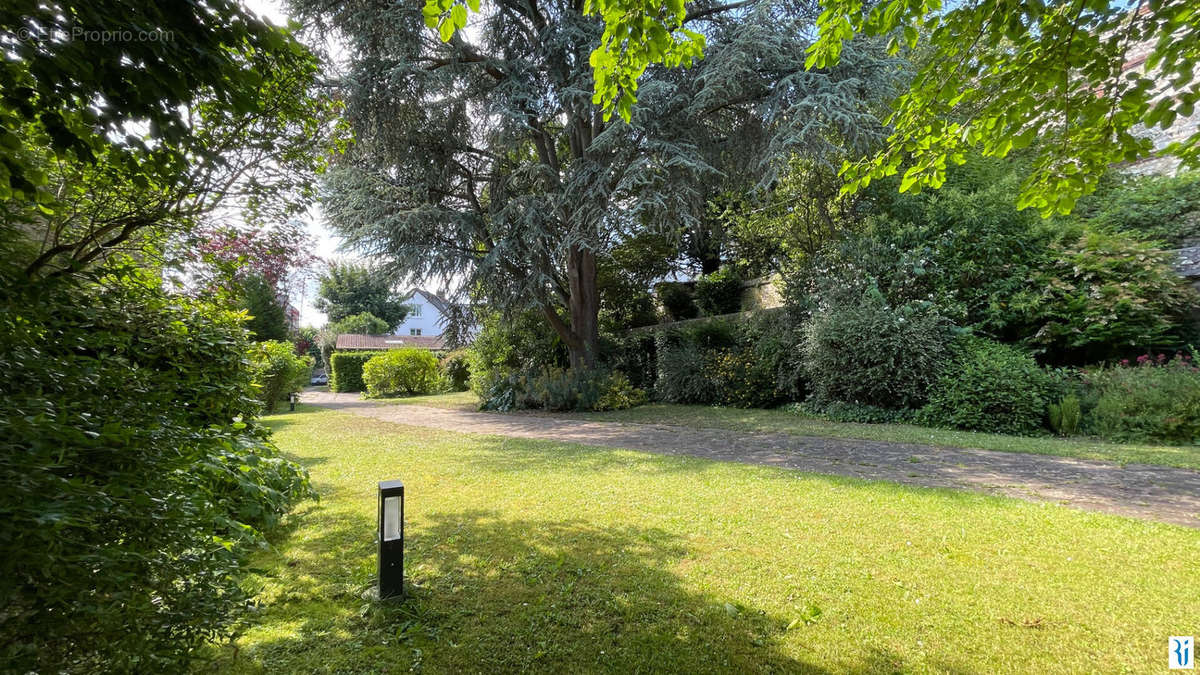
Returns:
<point x="1150" y="492"/>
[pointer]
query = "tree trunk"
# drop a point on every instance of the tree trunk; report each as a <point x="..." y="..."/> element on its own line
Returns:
<point x="584" y="307"/>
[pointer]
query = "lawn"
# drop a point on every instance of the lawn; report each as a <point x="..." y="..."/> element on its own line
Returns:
<point x="790" y="422"/>
<point x="532" y="555"/>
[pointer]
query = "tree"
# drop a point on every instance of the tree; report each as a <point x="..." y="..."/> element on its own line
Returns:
<point x="361" y="324"/>
<point x="998" y="75"/>
<point x="268" y="320"/>
<point x="516" y="184"/>
<point x="348" y="288"/>
<point x="102" y="157"/>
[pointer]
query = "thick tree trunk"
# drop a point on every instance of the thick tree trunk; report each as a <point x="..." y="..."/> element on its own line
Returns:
<point x="584" y="307"/>
<point x="582" y="334"/>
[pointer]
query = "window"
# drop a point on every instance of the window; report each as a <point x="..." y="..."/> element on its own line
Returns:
<point x="414" y="331"/>
<point x="415" y="310"/>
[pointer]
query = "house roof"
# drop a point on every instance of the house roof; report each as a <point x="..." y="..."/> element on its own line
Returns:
<point x="439" y="303"/>
<point x="356" y="341"/>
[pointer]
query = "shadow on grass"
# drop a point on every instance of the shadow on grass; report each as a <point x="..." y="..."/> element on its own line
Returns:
<point x="491" y="594"/>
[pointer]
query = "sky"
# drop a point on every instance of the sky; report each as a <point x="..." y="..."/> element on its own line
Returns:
<point x="328" y="243"/>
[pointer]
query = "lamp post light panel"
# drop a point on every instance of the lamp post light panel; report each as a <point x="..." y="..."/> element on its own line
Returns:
<point x="391" y="539"/>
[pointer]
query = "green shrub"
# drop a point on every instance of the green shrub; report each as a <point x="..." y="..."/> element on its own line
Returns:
<point x="618" y="393"/>
<point x="346" y="370"/>
<point x="1071" y="290"/>
<point x="748" y="364"/>
<point x="874" y="354"/>
<point x="1100" y="295"/>
<point x="1162" y="208"/>
<point x="857" y="413"/>
<point x="511" y="345"/>
<point x="677" y="300"/>
<point x="455" y="369"/>
<point x="719" y="292"/>
<point x="278" y="371"/>
<point x="135" y="482"/>
<point x="988" y="386"/>
<point x="563" y="389"/>
<point x="635" y="354"/>
<point x="1065" y="415"/>
<point x="683" y="375"/>
<point x="405" y="372"/>
<point x="1155" y="400"/>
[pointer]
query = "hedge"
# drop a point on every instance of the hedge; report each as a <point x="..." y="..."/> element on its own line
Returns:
<point x="346" y="370"/>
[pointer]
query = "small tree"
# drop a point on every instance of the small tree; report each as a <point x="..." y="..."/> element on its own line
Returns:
<point x="348" y="288"/>
<point x="267" y="318"/>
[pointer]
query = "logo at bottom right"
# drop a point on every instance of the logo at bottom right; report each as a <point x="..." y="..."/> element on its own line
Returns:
<point x="1180" y="653"/>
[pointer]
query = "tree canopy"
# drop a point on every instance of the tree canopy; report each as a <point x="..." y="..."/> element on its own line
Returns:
<point x="483" y="159"/>
<point x="348" y="288"/>
<point x="1083" y="80"/>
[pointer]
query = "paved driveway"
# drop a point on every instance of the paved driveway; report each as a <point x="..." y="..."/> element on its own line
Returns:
<point x="1152" y="492"/>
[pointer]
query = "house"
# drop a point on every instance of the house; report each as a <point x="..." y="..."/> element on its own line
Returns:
<point x="427" y="316"/>
<point x="348" y="342"/>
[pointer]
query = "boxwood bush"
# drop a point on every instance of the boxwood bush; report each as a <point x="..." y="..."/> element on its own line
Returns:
<point x="988" y="386"/>
<point x="401" y="372"/>
<point x="346" y="370"/>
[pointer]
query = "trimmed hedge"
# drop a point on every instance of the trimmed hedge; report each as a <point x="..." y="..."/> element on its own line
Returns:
<point x="406" y="372"/>
<point x="346" y="370"/>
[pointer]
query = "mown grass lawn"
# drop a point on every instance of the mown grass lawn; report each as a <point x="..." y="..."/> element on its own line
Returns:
<point x="790" y="422"/>
<point x="532" y="555"/>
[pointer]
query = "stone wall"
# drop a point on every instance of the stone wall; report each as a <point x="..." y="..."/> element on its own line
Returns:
<point x="762" y="293"/>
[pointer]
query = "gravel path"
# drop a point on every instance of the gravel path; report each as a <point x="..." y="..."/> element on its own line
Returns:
<point x="1151" y="492"/>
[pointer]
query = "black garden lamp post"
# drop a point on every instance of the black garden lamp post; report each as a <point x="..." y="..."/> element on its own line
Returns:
<point x="391" y="539"/>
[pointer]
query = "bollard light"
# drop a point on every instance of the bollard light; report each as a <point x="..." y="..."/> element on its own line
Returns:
<point x="391" y="539"/>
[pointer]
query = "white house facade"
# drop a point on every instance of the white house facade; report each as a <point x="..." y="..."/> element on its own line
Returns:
<point x="427" y="316"/>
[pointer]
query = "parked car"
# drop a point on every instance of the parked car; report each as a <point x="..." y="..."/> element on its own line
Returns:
<point x="319" y="378"/>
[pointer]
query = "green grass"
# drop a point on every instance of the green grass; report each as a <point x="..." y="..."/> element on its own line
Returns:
<point x="787" y="421"/>
<point x="459" y="400"/>
<point x="532" y="555"/>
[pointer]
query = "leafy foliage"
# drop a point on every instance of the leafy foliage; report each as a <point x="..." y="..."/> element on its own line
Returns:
<point x="997" y="75"/>
<point x="1065" y="416"/>
<point x="745" y="364"/>
<point x="348" y="288"/>
<point x="134" y="479"/>
<point x="456" y="369"/>
<point x="1160" y="208"/>
<point x="719" y="292"/>
<point x="123" y="144"/>
<point x="507" y="346"/>
<point x="563" y="389"/>
<point x="267" y="320"/>
<point x="522" y="202"/>
<point x="347" y="370"/>
<point x="1068" y="290"/>
<point x="677" y="300"/>
<point x="278" y="371"/>
<point x="988" y="386"/>
<point x="364" y="323"/>
<point x="873" y="353"/>
<point x="405" y="372"/>
<point x="1103" y="295"/>
<point x="1155" y="399"/>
